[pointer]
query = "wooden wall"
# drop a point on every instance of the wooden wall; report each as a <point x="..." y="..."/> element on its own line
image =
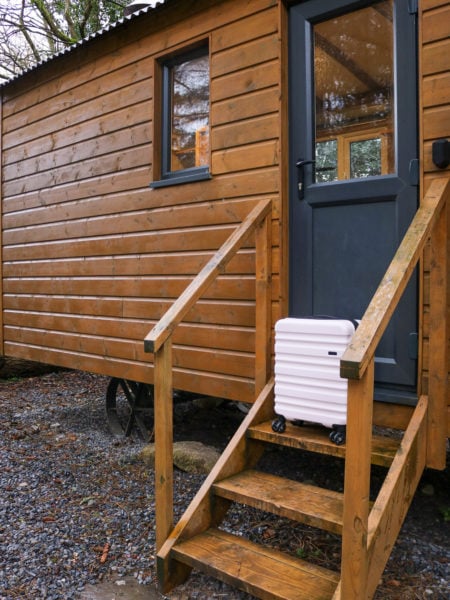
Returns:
<point x="91" y="255"/>
<point x="435" y="117"/>
<point x="1" y="228"/>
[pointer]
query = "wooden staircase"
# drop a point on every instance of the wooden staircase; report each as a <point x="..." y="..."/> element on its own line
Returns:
<point x="369" y="530"/>
<point x="197" y="542"/>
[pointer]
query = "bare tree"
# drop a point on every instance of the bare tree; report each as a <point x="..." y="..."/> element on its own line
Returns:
<point x="33" y="30"/>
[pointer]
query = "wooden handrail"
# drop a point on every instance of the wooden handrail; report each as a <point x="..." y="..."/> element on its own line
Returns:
<point x="376" y="318"/>
<point x="357" y="365"/>
<point x="159" y="341"/>
<point x="216" y="265"/>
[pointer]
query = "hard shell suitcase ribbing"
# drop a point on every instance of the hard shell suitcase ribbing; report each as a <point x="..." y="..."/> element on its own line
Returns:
<point x="308" y="386"/>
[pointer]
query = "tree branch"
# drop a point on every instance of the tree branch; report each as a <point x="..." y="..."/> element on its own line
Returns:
<point x="31" y="30"/>
<point x="26" y="35"/>
<point x="68" y="17"/>
<point x="53" y="27"/>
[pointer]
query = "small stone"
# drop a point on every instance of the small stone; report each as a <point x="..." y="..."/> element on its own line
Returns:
<point x="194" y="457"/>
<point x="147" y="455"/>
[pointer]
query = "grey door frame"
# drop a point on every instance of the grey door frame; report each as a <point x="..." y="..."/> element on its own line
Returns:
<point x="401" y="184"/>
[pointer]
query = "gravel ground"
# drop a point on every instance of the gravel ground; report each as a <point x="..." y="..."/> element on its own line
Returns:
<point x="76" y="505"/>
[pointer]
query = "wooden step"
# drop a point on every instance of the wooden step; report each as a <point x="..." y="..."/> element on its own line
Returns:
<point x="307" y="504"/>
<point x="316" y="439"/>
<point x="257" y="570"/>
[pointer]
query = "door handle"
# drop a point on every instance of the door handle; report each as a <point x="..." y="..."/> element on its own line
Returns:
<point x="300" y="164"/>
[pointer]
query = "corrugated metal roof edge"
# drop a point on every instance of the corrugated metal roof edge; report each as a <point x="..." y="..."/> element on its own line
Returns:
<point x="92" y="36"/>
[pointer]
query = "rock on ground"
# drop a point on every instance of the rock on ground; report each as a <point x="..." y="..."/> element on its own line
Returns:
<point x="189" y="456"/>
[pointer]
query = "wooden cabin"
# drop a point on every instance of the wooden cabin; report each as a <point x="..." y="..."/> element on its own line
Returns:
<point x="175" y="184"/>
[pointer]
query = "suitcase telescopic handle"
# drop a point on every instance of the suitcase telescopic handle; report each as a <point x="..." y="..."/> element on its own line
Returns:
<point x="300" y="164"/>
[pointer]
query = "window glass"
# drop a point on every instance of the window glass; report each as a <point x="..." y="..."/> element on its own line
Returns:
<point x="354" y="91"/>
<point x="189" y="118"/>
<point x="326" y="161"/>
<point x="365" y="158"/>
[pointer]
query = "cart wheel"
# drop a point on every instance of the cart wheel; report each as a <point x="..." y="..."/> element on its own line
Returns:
<point x="279" y="424"/>
<point x="129" y="402"/>
<point x="337" y="436"/>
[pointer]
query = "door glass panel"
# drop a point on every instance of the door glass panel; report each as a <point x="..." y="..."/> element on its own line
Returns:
<point x="354" y="91"/>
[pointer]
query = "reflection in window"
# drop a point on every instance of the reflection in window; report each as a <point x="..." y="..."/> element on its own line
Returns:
<point x="185" y="148"/>
<point x="365" y="158"/>
<point x="190" y="113"/>
<point x="326" y="161"/>
<point x="353" y="91"/>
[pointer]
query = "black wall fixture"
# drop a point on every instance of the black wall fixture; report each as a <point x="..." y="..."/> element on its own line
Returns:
<point x="441" y="153"/>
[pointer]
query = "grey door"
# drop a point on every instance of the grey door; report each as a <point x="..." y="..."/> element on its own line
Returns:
<point x="353" y="167"/>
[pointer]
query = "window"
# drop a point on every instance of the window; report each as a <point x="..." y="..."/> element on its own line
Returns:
<point x="185" y="118"/>
<point x="354" y="155"/>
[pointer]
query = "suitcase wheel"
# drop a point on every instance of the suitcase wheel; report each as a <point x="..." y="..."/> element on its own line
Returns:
<point x="279" y="424"/>
<point x="337" y="436"/>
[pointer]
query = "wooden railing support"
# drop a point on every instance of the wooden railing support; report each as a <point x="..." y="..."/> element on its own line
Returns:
<point x="159" y="342"/>
<point x="263" y="243"/>
<point x="438" y="391"/>
<point x="163" y="418"/>
<point x="357" y="486"/>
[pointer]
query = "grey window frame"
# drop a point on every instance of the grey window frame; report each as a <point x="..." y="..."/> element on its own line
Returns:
<point x="169" y="177"/>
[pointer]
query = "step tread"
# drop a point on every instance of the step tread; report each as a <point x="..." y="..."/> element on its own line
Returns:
<point x="258" y="570"/>
<point x="316" y="439"/>
<point x="314" y="506"/>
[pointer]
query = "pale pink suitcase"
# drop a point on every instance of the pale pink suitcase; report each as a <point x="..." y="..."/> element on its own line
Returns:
<point x="308" y="386"/>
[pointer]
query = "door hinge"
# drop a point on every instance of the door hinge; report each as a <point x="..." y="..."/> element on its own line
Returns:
<point x="413" y="7"/>
<point x="414" y="171"/>
<point x="413" y="346"/>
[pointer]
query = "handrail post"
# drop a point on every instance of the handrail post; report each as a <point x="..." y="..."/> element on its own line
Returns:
<point x="163" y="442"/>
<point x="438" y="340"/>
<point x="263" y="317"/>
<point x="357" y="486"/>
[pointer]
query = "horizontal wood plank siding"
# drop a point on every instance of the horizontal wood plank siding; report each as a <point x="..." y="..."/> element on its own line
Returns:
<point x="435" y="124"/>
<point x="1" y="228"/>
<point x="92" y="257"/>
